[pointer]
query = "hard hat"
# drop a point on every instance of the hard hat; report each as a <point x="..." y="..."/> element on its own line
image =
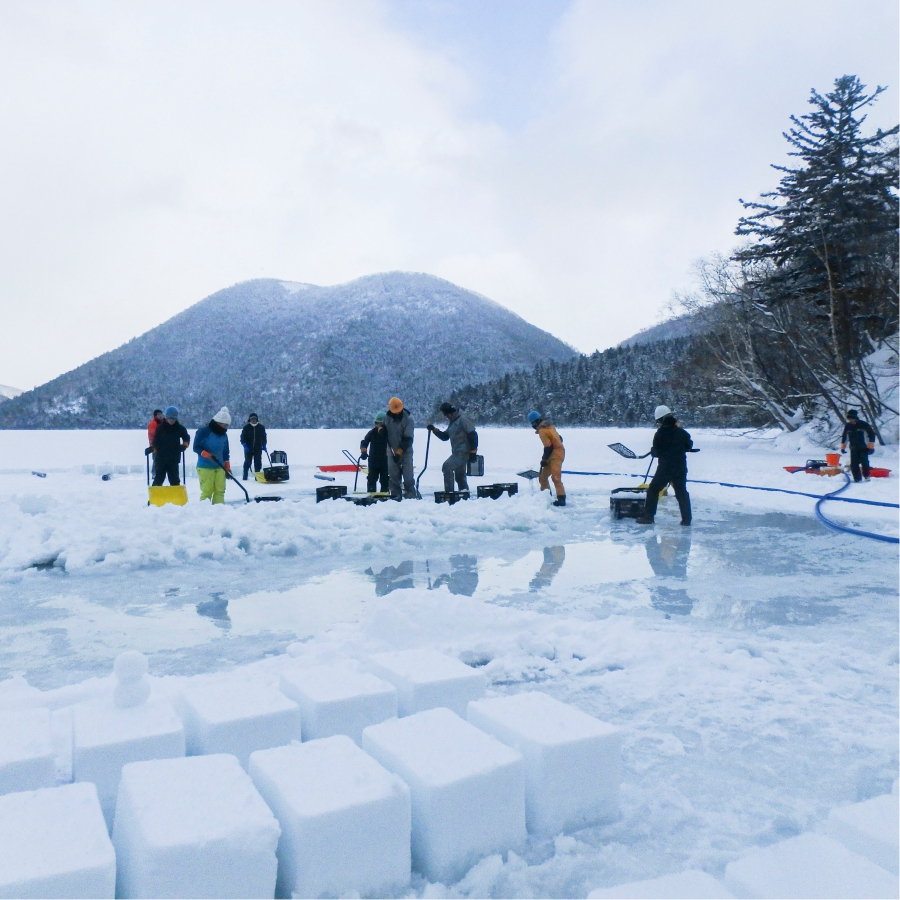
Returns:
<point x="534" y="416"/>
<point x="379" y="418"/>
<point x="661" y="412"/>
<point x="395" y="405"/>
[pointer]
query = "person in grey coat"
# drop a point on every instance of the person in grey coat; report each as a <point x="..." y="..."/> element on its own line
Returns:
<point x="463" y="445"/>
<point x="398" y="424"/>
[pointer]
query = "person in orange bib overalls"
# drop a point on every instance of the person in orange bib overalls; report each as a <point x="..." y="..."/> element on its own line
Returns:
<point x="552" y="460"/>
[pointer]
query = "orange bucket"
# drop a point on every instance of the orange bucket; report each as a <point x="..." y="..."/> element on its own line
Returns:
<point x="833" y="459"/>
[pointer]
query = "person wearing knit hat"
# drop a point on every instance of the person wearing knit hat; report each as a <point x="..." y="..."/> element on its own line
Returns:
<point x="213" y="457"/>
<point x="400" y="429"/>
<point x="253" y="440"/>
<point x="373" y="448"/>
<point x="170" y="440"/>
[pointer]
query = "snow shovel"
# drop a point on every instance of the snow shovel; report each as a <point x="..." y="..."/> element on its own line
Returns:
<point x="622" y="450"/>
<point x="427" y="448"/>
<point x="355" y="462"/>
<point x="530" y="474"/>
<point x="228" y="474"/>
<point x="160" y="495"/>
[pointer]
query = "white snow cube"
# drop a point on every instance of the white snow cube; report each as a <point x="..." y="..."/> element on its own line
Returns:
<point x="27" y="758"/>
<point x="692" y="884"/>
<point x="809" y="865"/>
<point x="345" y="820"/>
<point x="338" y="699"/>
<point x="106" y="737"/>
<point x="53" y="843"/>
<point x="193" y="827"/>
<point x="869" y="828"/>
<point x="573" y="762"/>
<point x="231" y="716"/>
<point x="426" y="679"/>
<point x="468" y="789"/>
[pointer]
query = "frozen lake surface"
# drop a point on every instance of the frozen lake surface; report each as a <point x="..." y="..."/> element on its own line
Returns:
<point x="751" y="659"/>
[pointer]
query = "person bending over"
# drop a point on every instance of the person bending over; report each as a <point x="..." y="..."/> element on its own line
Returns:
<point x="463" y="446"/>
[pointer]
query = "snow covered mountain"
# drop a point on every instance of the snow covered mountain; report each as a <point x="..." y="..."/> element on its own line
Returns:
<point x="297" y="354"/>
<point x="7" y="392"/>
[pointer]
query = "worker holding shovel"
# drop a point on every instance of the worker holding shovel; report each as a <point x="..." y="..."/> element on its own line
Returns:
<point x="398" y="424"/>
<point x="373" y="448"/>
<point x="671" y="443"/>
<point x="211" y="447"/>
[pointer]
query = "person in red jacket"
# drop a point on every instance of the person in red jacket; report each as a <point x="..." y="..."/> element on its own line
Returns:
<point x="151" y="427"/>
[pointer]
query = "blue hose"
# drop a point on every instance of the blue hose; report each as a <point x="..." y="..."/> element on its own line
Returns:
<point x="857" y="531"/>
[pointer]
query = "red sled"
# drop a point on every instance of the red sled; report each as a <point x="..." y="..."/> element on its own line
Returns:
<point x="874" y="472"/>
<point x="339" y="468"/>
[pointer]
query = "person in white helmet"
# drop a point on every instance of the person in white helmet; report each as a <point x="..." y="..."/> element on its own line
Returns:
<point x="671" y="443"/>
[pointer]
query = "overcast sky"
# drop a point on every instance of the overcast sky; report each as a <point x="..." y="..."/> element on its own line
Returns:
<point x="570" y="159"/>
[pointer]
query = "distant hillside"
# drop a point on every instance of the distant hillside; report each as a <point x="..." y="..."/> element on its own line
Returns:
<point x="297" y="354"/>
<point x="7" y="392"/>
<point x="681" y="326"/>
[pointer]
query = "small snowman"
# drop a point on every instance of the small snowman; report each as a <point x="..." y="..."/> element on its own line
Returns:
<point x="133" y="687"/>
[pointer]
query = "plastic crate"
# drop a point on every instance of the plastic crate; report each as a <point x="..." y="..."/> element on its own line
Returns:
<point x="497" y="490"/>
<point x="330" y="492"/>
<point x="450" y="496"/>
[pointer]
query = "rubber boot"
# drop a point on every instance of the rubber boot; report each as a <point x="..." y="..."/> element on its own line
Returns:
<point x="560" y="501"/>
<point x="685" y="507"/>
<point x="643" y="520"/>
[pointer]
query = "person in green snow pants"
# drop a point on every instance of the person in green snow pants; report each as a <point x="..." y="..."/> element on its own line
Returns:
<point x="211" y="447"/>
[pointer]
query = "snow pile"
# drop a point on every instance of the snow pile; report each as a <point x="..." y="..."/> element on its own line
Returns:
<point x="193" y="827"/>
<point x="870" y="829"/>
<point x="27" y="754"/>
<point x="345" y="820"/>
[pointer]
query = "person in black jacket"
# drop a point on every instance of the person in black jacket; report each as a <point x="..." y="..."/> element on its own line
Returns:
<point x="373" y="447"/>
<point x="856" y="432"/>
<point x="670" y="444"/>
<point x="170" y="440"/>
<point x="253" y="440"/>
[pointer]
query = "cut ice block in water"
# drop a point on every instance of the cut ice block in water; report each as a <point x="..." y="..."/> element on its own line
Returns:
<point x="809" y="865"/>
<point x="573" y="762"/>
<point x="693" y="884"/>
<point x="27" y="758"/>
<point x="426" y="679"/>
<point x="338" y="699"/>
<point x="53" y="843"/>
<point x="869" y="828"/>
<point x="345" y="819"/>
<point x="230" y="716"/>
<point x="193" y="827"/>
<point x="106" y="737"/>
<point x="468" y="789"/>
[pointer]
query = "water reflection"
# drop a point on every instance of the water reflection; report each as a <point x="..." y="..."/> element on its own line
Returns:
<point x="463" y="576"/>
<point x="393" y="578"/>
<point x="554" y="557"/>
<point x="216" y="609"/>
<point x="668" y="556"/>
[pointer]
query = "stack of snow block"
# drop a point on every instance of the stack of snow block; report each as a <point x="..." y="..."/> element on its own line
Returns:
<point x="573" y="762"/>
<point x="228" y="716"/>
<point x="345" y="820"/>
<point x="467" y="789"/>
<point x="53" y="843"/>
<point x="193" y="827"/>
<point x="27" y="758"/>
<point x="869" y="828"/>
<point x="809" y="865"/>
<point x="694" y="884"/>
<point x="426" y="679"/>
<point x="105" y="737"/>
<point x="338" y="699"/>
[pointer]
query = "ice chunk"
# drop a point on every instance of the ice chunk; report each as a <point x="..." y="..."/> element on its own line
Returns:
<point x="231" y="716"/>
<point x="468" y="789"/>
<point x="573" y="762"/>
<point x="193" y="827"/>
<point x="426" y="679"/>
<point x="809" y="865"/>
<point x="338" y="699"/>
<point x="345" y="820"/>
<point x="690" y="885"/>
<point x="106" y="737"/>
<point x="869" y="828"/>
<point x="27" y="758"/>
<point x="53" y="843"/>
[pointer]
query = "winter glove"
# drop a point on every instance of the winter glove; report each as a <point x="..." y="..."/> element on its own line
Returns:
<point x="843" y="451"/>
<point x="363" y="454"/>
<point x="544" y="463"/>
<point x="206" y="454"/>
<point x="246" y="448"/>
<point x="398" y="451"/>
<point x="148" y="451"/>
<point x="227" y="466"/>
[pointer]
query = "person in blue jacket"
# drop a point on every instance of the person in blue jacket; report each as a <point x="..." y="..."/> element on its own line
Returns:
<point x="211" y="447"/>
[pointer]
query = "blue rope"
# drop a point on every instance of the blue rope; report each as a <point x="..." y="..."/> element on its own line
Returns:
<point x="752" y="487"/>
<point x="857" y="531"/>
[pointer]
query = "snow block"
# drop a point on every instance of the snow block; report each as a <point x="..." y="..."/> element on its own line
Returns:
<point x="345" y="820"/>
<point x="193" y="827"/>
<point x="229" y="716"/>
<point x="573" y="762"/>
<point x="27" y="759"/>
<point x="426" y="679"/>
<point x="690" y="885"/>
<point x="809" y="865"/>
<point x="468" y="789"/>
<point x="869" y="828"/>
<point x="53" y="843"/>
<point x="106" y="737"/>
<point x="338" y="699"/>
